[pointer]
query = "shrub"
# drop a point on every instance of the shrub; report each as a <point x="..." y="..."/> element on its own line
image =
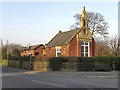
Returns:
<point x="108" y="60"/>
<point x="4" y="55"/>
<point x="18" y="58"/>
<point x="85" y="64"/>
<point x="55" y="63"/>
<point x="71" y="59"/>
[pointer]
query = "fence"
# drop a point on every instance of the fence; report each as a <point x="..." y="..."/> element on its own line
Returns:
<point x="41" y="65"/>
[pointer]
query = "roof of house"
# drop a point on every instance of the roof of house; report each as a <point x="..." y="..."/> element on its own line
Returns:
<point x="62" y="38"/>
<point x="33" y="47"/>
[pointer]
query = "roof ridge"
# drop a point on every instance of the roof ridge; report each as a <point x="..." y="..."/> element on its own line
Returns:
<point x="36" y="44"/>
<point x="70" y="30"/>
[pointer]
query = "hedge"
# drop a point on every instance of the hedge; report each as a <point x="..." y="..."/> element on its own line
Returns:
<point x="55" y="63"/>
<point x="21" y="62"/>
<point x="84" y="63"/>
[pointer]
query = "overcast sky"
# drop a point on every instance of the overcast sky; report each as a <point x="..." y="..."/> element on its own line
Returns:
<point x="38" y="22"/>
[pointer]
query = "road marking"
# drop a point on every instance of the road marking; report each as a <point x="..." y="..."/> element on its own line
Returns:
<point x="35" y="81"/>
<point x="52" y="84"/>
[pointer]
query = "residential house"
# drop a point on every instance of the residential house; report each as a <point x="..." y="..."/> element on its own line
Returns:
<point x="34" y="50"/>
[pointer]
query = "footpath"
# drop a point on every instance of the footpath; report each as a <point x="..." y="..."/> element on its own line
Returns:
<point x="83" y="74"/>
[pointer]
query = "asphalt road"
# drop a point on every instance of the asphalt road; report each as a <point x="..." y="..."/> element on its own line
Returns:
<point x="13" y="78"/>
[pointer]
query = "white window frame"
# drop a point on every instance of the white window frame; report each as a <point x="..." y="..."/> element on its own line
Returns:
<point x="58" y="50"/>
<point x="84" y="48"/>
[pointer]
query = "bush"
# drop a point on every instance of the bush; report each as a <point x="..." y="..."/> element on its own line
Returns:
<point x="71" y="59"/>
<point x="18" y="58"/>
<point x="4" y="55"/>
<point x="55" y="63"/>
<point x="86" y="60"/>
<point x="85" y="64"/>
<point x="108" y="60"/>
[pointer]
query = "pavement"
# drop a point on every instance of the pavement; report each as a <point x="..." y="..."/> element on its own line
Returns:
<point x="87" y="74"/>
<point x="20" y="78"/>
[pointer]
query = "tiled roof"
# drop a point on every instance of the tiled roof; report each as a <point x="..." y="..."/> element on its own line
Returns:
<point x="62" y="38"/>
<point x="33" y="47"/>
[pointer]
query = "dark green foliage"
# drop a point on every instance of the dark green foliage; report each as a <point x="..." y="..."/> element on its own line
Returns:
<point x="85" y="66"/>
<point x="21" y="62"/>
<point x="84" y="63"/>
<point x="86" y="60"/>
<point x="27" y="58"/>
<point x="4" y="55"/>
<point x="55" y="63"/>
<point x="71" y="59"/>
<point x="16" y="52"/>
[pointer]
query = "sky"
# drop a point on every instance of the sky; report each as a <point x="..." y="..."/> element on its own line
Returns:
<point x="38" y="22"/>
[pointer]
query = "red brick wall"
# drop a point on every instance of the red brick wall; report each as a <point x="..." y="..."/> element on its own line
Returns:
<point x="73" y="47"/>
<point x="95" y="48"/>
<point x="51" y="51"/>
<point x="65" y="50"/>
<point x="39" y="50"/>
<point x="79" y="48"/>
<point x="90" y="49"/>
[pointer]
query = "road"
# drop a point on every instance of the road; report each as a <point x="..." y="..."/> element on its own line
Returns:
<point x="13" y="78"/>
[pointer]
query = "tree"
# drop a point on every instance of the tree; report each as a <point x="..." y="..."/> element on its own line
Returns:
<point x="103" y="48"/>
<point x="115" y="45"/>
<point x="16" y="52"/>
<point x="96" y="24"/>
<point x="12" y="48"/>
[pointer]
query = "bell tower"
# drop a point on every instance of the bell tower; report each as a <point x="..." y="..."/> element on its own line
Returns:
<point x="83" y="21"/>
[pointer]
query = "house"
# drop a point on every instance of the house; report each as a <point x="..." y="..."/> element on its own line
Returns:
<point x="34" y="50"/>
<point x="78" y="42"/>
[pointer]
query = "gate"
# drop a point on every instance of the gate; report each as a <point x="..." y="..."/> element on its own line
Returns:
<point x="41" y="65"/>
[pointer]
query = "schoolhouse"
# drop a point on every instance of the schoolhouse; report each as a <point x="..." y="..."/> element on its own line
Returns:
<point x="78" y="42"/>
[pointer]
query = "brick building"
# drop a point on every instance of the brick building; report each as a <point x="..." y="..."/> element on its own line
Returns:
<point x="34" y="50"/>
<point x="78" y="42"/>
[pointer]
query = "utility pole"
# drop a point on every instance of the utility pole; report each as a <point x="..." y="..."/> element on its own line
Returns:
<point x="30" y="56"/>
<point x="7" y="51"/>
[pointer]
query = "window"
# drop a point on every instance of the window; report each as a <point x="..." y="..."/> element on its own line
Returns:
<point x="36" y="53"/>
<point x="58" y="52"/>
<point x="84" y="31"/>
<point x="84" y="49"/>
<point x="84" y="23"/>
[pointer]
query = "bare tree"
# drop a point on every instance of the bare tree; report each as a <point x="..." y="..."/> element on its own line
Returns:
<point x="115" y="45"/>
<point x="11" y="48"/>
<point x="96" y="24"/>
<point x="104" y="48"/>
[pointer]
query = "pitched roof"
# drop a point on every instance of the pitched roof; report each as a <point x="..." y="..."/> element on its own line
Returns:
<point x="33" y="47"/>
<point x="62" y="38"/>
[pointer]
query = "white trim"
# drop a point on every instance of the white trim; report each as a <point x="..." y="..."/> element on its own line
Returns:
<point x="88" y="50"/>
<point x="84" y="48"/>
<point x="57" y="51"/>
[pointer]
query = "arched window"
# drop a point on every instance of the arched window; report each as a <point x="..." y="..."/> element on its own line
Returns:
<point x="84" y="22"/>
<point x="84" y="31"/>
